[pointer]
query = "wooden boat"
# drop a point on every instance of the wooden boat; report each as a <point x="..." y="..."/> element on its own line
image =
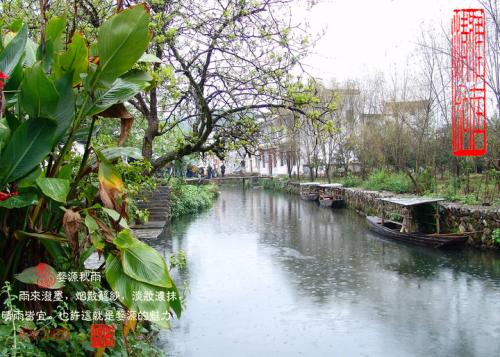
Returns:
<point x="409" y="232"/>
<point x="309" y="191"/>
<point x="330" y="195"/>
<point x="392" y="229"/>
<point x="326" y="202"/>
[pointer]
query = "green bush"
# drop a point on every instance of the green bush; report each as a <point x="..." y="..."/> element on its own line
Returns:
<point x="426" y="182"/>
<point x="276" y="184"/>
<point x="381" y="180"/>
<point x="352" y="181"/>
<point x="189" y="199"/>
<point x="495" y="237"/>
<point x="279" y="184"/>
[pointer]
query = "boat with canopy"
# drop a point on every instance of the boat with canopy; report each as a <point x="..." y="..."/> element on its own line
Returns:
<point x="416" y="227"/>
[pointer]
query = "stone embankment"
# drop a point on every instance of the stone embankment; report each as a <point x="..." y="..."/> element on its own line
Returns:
<point x="481" y="221"/>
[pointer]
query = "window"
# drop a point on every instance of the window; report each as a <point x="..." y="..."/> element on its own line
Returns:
<point x="264" y="160"/>
<point x="282" y="158"/>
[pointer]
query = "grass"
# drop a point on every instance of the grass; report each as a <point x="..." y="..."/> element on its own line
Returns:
<point x="382" y="180"/>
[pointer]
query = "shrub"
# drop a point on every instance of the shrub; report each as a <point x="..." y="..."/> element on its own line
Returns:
<point x="188" y="199"/>
<point x="352" y="181"/>
<point x="495" y="237"/>
<point x="381" y="180"/>
<point x="426" y="182"/>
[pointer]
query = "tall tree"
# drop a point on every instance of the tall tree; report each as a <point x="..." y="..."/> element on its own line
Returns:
<point x="221" y="64"/>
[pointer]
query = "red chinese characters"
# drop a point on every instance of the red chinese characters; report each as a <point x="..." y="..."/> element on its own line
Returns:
<point x="102" y="336"/>
<point x="468" y="85"/>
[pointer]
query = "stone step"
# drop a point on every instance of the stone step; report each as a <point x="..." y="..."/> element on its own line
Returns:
<point x="163" y="189"/>
<point x="157" y="210"/>
<point x="158" y="196"/>
<point x="153" y="203"/>
<point x="158" y="217"/>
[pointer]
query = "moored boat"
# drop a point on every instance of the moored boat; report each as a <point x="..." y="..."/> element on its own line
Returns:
<point x="330" y="195"/>
<point x="309" y="191"/>
<point x="392" y="229"/>
<point x="412" y="231"/>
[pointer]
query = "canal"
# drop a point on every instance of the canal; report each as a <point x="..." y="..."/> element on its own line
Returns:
<point x="271" y="275"/>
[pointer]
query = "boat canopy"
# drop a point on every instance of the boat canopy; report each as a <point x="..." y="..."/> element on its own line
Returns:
<point x="411" y="201"/>
<point x="331" y="185"/>
<point x="309" y="184"/>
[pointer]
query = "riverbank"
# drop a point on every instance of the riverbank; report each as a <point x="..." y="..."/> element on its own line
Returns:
<point x="482" y="221"/>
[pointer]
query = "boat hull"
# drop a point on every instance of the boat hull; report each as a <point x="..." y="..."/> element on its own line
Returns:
<point x="327" y="203"/>
<point x="309" y="196"/>
<point x="428" y="240"/>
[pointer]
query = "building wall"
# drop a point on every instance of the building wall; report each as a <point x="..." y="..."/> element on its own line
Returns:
<point x="269" y="162"/>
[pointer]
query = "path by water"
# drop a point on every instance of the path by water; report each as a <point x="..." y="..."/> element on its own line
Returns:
<point x="271" y="275"/>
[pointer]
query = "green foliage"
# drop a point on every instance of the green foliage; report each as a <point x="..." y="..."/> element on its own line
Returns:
<point x="352" y="181"/>
<point x="76" y="202"/>
<point x="122" y="41"/>
<point x="29" y="145"/>
<point x="382" y="180"/>
<point x="139" y="181"/>
<point x="426" y="181"/>
<point x="495" y="237"/>
<point x="55" y="188"/>
<point x="178" y="260"/>
<point x="13" y="52"/>
<point x="189" y="199"/>
<point x="74" y="339"/>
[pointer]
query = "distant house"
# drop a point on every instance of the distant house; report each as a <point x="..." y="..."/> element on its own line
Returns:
<point x="411" y="112"/>
<point x="285" y="155"/>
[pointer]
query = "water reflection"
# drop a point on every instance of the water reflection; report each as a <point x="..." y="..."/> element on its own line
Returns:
<point x="272" y="275"/>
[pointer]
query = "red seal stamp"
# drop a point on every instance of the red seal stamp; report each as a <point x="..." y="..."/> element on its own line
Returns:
<point x="45" y="278"/>
<point x="102" y="336"/>
<point x="468" y="83"/>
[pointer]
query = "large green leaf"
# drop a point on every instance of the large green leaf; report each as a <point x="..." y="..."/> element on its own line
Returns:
<point x="119" y="92"/>
<point x="30" y="57"/>
<point x="42" y="236"/>
<point x="116" y="216"/>
<point x="13" y="52"/>
<point x="149" y="58"/>
<point x="75" y="59"/>
<point x="54" y="31"/>
<point x="39" y="97"/>
<point x="113" y="153"/>
<point x="11" y="90"/>
<point x="30" y="179"/>
<point x="25" y="198"/>
<point x="53" y="42"/>
<point x="40" y="274"/>
<point x="122" y="41"/>
<point x="142" y="262"/>
<point x="55" y="188"/>
<point x="4" y="133"/>
<point x="65" y="110"/>
<point x="124" y="285"/>
<point x="141" y="78"/>
<point x="29" y="145"/>
<point x="91" y="224"/>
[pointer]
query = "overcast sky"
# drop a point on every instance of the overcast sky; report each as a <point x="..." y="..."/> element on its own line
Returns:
<point x="365" y="36"/>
